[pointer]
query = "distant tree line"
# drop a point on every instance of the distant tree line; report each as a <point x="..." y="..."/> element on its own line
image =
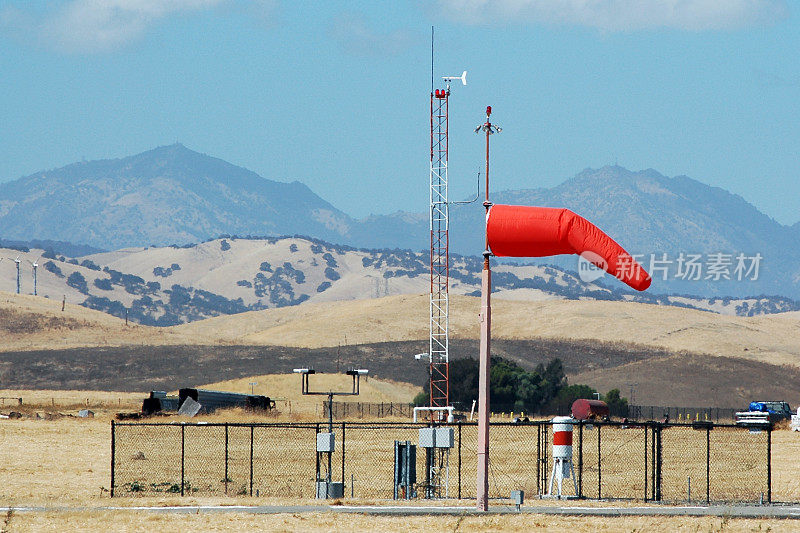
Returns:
<point x="512" y="388"/>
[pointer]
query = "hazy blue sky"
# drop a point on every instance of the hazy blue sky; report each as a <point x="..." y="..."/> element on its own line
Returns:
<point x="335" y="94"/>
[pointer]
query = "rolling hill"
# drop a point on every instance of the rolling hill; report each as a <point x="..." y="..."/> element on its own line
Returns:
<point x="767" y="339"/>
<point x="31" y="323"/>
<point x="165" y="286"/>
<point x="669" y="355"/>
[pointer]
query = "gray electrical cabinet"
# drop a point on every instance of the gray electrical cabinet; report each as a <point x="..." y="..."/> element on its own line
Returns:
<point x="441" y="437"/>
<point x="326" y="442"/>
<point x="427" y="438"/>
<point x="334" y="489"/>
<point x="444" y="438"/>
<point x="405" y="469"/>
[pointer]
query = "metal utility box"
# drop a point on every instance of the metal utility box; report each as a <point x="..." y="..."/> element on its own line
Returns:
<point x="333" y="489"/>
<point x="326" y="442"/>
<point x="444" y="438"/>
<point x="440" y="437"/>
<point x="405" y="469"/>
<point x="517" y="497"/>
<point x="427" y="438"/>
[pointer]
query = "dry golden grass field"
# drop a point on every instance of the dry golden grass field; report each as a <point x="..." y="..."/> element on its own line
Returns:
<point x="65" y="462"/>
<point x="124" y="521"/>
<point x="70" y="461"/>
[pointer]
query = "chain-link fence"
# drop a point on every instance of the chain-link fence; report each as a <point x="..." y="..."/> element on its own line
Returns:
<point x="681" y="414"/>
<point x="370" y="411"/>
<point x="648" y="461"/>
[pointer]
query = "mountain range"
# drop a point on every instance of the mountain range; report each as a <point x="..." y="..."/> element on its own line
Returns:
<point x="173" y="195"/>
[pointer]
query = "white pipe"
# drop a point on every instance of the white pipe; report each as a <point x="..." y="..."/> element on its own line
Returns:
<point x="449" y="410"/>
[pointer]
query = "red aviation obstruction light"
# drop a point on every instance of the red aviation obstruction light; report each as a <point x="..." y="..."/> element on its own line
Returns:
<point x="521" y="231"/>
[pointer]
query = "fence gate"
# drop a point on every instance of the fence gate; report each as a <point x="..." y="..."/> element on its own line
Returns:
<point x="543" y="465"/>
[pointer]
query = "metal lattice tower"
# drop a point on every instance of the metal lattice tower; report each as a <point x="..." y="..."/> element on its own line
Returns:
<point x="439" y="348"/>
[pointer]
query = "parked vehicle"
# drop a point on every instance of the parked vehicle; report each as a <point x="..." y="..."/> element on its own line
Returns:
<point x="763" y="412"/>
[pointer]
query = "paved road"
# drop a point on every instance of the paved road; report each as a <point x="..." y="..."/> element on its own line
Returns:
<point x="736" y="511"/>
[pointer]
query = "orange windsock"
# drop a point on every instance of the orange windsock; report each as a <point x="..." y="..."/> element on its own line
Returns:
<point x="521" y="231"/>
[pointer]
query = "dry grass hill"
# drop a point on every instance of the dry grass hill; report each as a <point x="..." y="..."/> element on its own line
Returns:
<point x="35" y="323"/>
<point x="772" y="338"/>
<point x="30" y="323"/>
<point x="166" y="286"/>
<point x="670" y="355"/>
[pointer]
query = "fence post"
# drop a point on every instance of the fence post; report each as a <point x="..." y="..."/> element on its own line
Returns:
<point x="183" y="455"/>
<point x="252" y="428"/>
<point x="599" y="466"/>
<point x="580" y="459"/>
<point x="708" y="463"/>
<point x="226" y="458"/>
<point x="658" y="464"/>
<point x="316" y="472"/>
<point x="652" y="462"/>
<point x="343" y="441"/>
<point x="547" y="429"/>
<point x="646" y="465"/>
<point x="459" y="459"/>
<point x="113" y="453"/>
<point x="538" y="458"/>
<point x="769" y="463"/>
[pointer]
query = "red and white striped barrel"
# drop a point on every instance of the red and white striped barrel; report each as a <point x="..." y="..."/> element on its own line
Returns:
<point x="562" y="437"/>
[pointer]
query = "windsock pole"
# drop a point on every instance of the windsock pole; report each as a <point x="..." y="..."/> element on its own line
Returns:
<point x="485" y="356"/>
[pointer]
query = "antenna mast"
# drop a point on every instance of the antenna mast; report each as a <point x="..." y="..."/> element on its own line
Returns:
<point x="439" y="345"/>
<point x="439" y="348"/>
